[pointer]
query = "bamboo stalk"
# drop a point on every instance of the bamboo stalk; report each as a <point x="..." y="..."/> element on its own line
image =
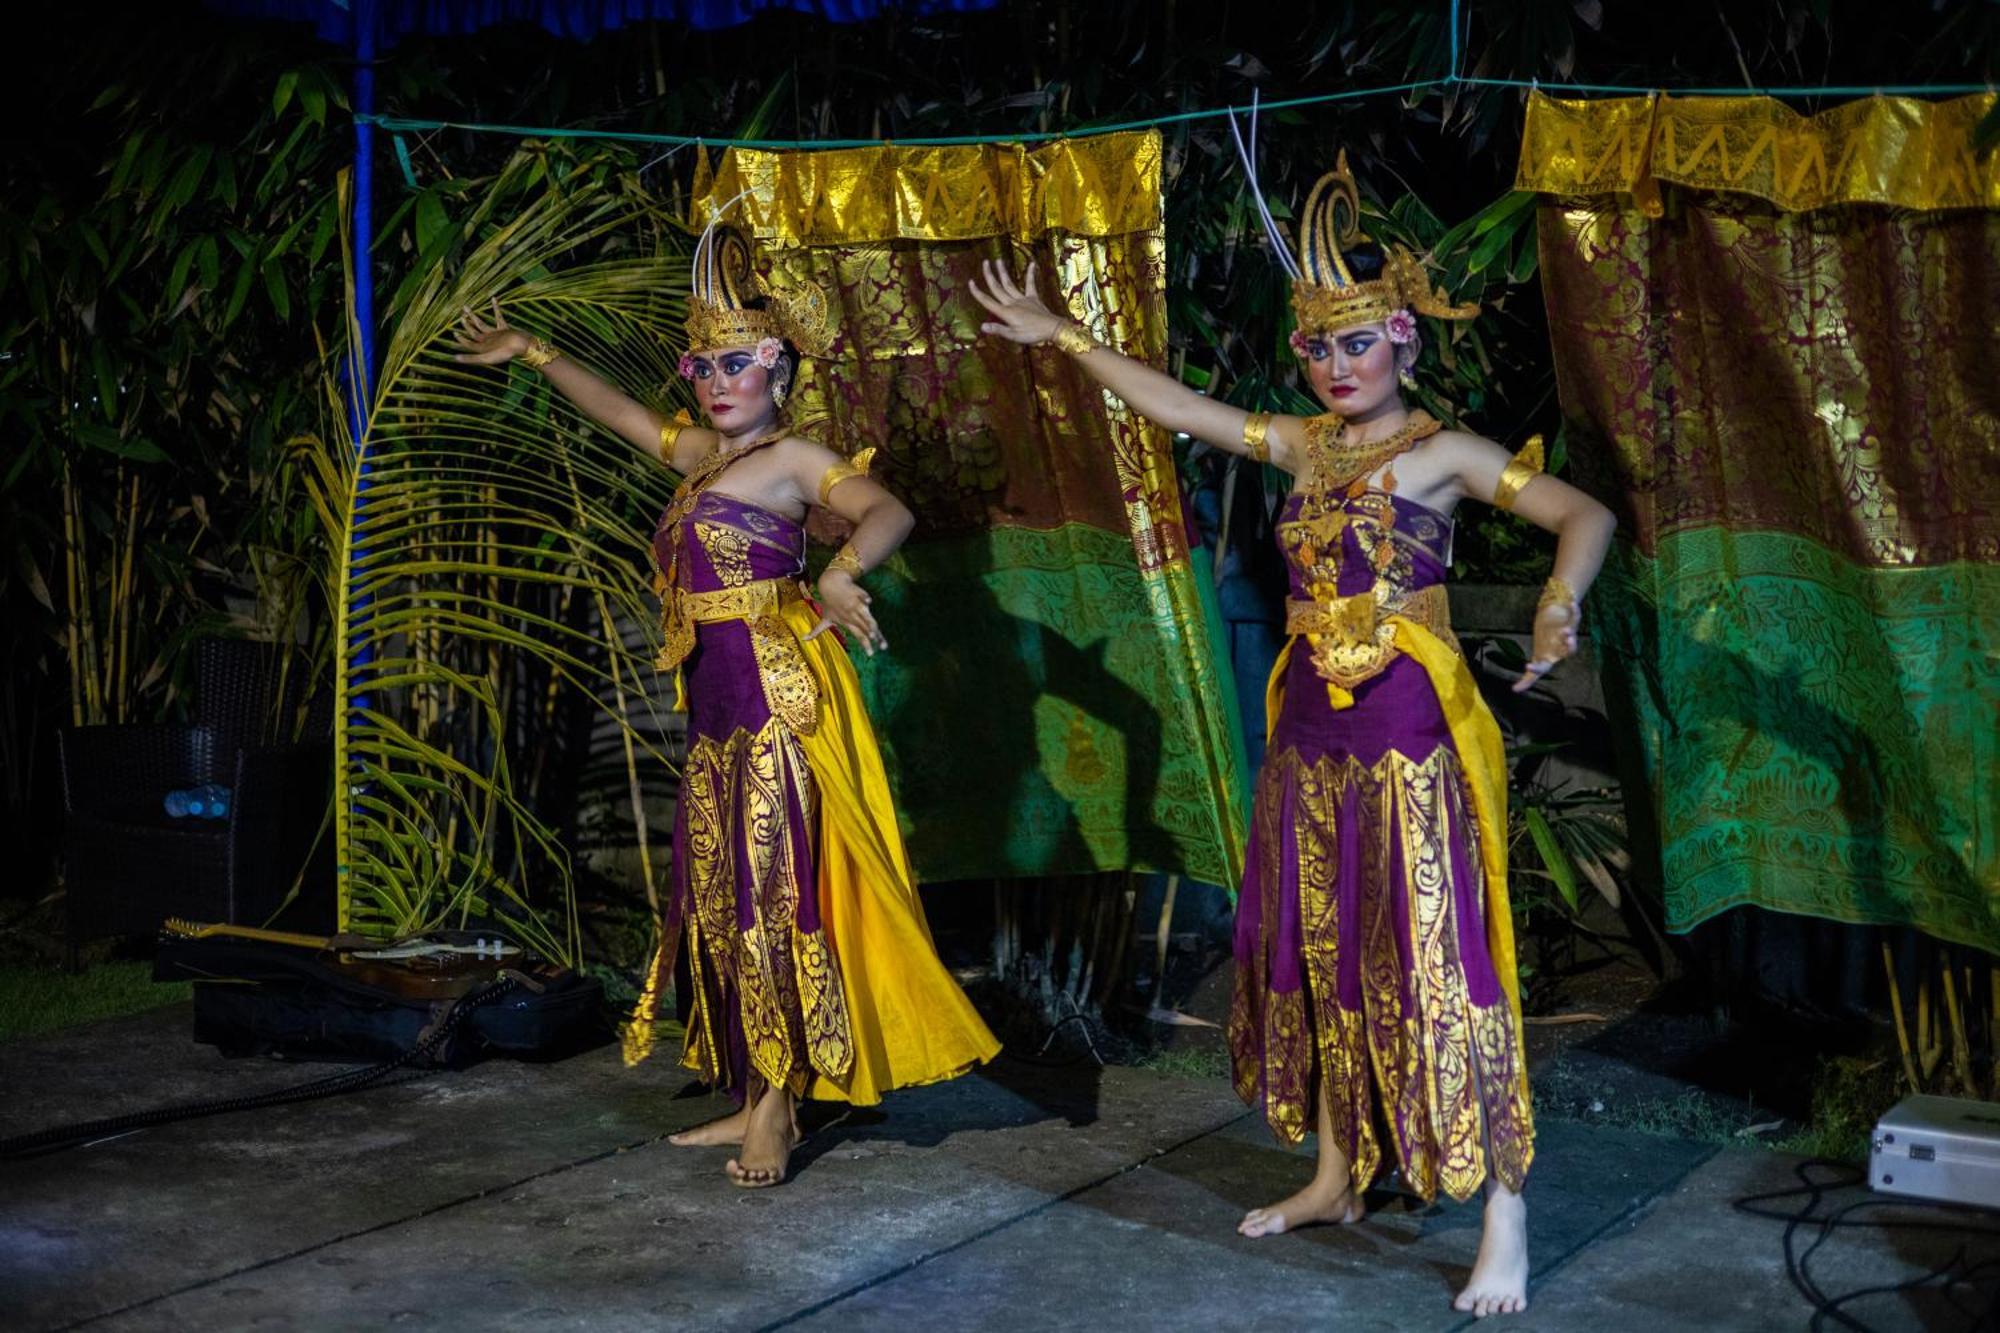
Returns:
<point x="1902" y="1027"/>
<point x="1165" y="934"/>
<point x="1961" y="1049"/>
<point x="1928" y="1051"/>
<point x="71" y="582"/>
<point x="122" y="608"/>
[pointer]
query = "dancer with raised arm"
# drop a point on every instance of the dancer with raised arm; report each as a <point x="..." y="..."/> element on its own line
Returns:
<point x="809" y="965"/>
<point x="1374" y="950"/>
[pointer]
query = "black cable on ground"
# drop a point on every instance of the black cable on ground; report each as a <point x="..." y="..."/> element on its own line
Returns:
<point x="1039" y="1059"/>
<point x="1828" y="1311"/>
<point x="353" y="1080"/>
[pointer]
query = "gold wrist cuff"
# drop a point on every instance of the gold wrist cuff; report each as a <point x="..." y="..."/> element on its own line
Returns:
<point x="1257" y="436"/>
<point x="1073" y="338"/>
<point x="539" y="353"/>
<point x="1521" y="469"/>
<point x="1556" y="593"/>
<point x="847" y="560"/>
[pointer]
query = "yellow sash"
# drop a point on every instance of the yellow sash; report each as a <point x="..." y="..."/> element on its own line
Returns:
<point x="911" y="1022"/>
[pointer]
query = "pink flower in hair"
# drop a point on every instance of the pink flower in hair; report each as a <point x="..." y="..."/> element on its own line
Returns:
<point x="1301" y="345"/>
<point x="686" y="366"/>
<point x="768" y="352"/>
<point x="1401" y="326"/>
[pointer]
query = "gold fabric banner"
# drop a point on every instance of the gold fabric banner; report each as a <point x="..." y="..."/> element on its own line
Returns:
<point x="1055" y="703"/>
<point x="1898" y="151"/>
<point x="1108" y="185"/>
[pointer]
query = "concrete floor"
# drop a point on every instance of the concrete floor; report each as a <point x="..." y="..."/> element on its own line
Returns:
<point x="521" y="1196"/>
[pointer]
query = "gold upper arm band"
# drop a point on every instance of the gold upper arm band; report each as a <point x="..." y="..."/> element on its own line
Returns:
<point x="1257" y="436"/>
<point x="670" y="434"/>
<point x="856" y="466"/>
<point x="1521" y="469"/>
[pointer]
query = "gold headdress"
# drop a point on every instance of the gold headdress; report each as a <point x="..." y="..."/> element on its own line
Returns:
<point x="1326" y="296"/>
<point x="720" y="286"/>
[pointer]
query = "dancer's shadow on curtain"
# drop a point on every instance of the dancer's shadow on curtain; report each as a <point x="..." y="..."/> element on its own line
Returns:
<point x="996" y="723"/>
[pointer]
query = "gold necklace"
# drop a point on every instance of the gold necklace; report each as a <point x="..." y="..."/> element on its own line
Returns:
<point x="1338" y="464"/>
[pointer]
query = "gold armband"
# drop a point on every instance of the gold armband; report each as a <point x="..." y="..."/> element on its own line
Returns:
<point x="1556" y="593"/>
<point x="1257" y="436"/>
<point x="670" y="433"/>
<point x="856" y="466"/>
<point x="539" y="353"/>
<point x="1521" y="469"/>
<point x="1073" y="338"/>
<point x="847" y="560"/>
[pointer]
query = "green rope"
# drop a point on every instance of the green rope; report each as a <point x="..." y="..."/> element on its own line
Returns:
<point x="407" y="123"/>
<point x="1451" y="78"/>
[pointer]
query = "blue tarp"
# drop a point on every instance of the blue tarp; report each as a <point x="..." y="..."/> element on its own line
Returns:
<point x="577" y="19"/>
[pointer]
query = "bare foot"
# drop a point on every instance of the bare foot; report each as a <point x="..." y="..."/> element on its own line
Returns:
<point x="768" y="1142"/>
<point x="723" y="1131"/>
<point x="1499" y="1281"/>
<point x="1321" y="1201"/>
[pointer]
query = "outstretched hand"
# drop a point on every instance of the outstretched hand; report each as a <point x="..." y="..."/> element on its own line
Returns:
<point x="1018" y="313"/>
<point x="485" y="342"/>
<point x="844" y="603"/>
<point x="1554" y="639"/>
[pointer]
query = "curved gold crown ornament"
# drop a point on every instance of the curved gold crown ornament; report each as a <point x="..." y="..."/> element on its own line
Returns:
<point x="1326" y="295"/>
<point x="722" y="283"/>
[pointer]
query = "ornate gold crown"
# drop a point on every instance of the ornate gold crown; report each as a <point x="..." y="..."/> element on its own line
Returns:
<point x="718" y="316"/>
<point x="1325" y="295"/>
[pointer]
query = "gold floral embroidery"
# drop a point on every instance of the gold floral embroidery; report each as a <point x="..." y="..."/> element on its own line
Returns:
<point x="1448" y="1071"/>
<point x="745" y="797"/>
<point x="728" y="551"/>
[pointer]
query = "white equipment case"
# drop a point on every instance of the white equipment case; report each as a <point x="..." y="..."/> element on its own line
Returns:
<point x="1944" y="1149"/>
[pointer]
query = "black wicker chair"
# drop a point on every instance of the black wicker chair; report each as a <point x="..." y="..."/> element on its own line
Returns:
<point x="128" y="865"/>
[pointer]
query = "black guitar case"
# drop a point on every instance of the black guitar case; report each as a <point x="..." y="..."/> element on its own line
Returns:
<point x="253" y="997"/>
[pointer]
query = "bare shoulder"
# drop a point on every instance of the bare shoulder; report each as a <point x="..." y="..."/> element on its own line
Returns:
<point x="1465" y="446"/>
<point x="801" y="456"/>
<point x="690" y="448"/>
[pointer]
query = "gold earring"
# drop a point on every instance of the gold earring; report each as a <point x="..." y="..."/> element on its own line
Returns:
<point x="779" y="388"/>
<point x="1407" y="377"/>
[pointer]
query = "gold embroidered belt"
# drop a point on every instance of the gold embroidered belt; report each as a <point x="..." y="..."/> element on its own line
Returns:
<point x="746" y="601"/>
<point x="1356" y="617"/>
<point x="1351" y="636"/>
<point x="788" y="681"/>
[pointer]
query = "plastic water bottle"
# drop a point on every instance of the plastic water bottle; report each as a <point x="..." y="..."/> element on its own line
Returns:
<point x="209" y="801"/>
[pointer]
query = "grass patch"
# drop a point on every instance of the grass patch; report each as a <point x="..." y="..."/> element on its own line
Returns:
<point x="1187" y="1062"/>
<point x="34" y="1000"/>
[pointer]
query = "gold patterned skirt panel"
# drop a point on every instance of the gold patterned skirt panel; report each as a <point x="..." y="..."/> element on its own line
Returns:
<point x="765" y="995"/>
<point x="1362" y="970"/>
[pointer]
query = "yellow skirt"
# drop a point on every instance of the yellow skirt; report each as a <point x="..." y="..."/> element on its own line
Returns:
<point x="910" y="1023"/>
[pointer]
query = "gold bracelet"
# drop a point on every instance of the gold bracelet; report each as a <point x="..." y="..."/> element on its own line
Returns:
<point x="847" y="560"/>
<point x="539" y="353"/>
<point x="1521" y="469"/>
<point x="1257" y="436"/>
<point x="1075" y="339"/>
<point x="1556" y="593"/>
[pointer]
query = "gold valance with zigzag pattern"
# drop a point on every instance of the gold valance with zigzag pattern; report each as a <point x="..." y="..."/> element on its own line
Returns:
<point x="1899" y="151"/>
<point x="1108" y="185"/>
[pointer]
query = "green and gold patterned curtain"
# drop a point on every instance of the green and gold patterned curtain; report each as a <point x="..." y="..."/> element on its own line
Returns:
<point x="1778" y="339"/>
<point x="1053" y="701"/>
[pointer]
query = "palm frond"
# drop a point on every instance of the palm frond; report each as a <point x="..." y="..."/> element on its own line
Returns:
<point x="490" y="565"/>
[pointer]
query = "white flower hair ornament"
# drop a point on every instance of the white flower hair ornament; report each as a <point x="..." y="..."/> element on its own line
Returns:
<point x="768" y="351"/>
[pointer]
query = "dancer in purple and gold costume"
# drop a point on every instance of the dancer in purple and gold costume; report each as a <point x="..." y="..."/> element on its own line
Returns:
<point x="810" y="968"/>
<point x="1374" y="950"/>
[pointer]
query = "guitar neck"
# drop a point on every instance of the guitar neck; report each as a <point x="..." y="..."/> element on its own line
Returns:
<point x="192" y="930"/>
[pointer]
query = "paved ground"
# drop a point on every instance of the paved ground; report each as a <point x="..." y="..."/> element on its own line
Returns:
<point x="517" y="1196"/>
